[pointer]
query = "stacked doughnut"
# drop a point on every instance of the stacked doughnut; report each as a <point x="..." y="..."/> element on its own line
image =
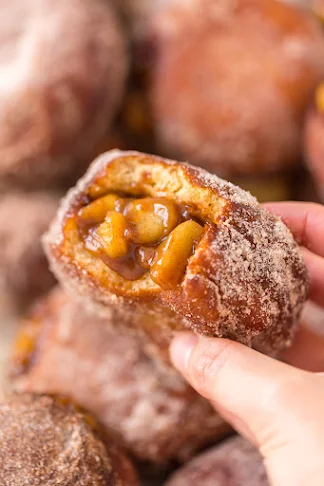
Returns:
<point x="143" y="247"/>
<point x="63" y="74"/>
<point x="240" y="77"/>
<point x="46" y="440"/>
<point x="233" y="463"/>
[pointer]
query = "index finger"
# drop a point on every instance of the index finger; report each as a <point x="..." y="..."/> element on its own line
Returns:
<point x="305" y="221"/>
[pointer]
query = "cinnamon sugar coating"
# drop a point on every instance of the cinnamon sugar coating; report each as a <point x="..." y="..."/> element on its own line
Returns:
<point x="47" y="442"/>
<point x="24" y="217"/>
<point x="64" y="67"/>
<point x="246" y="278"/>
<point x="107" y="370"/>
<point x="233" y="463"/>
<point x="239" y="75"/>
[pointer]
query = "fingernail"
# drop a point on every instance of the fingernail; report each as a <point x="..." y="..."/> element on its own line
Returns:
<point x="181" y="349"/>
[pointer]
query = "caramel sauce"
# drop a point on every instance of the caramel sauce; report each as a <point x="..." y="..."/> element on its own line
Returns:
<point x="146" y="224"/>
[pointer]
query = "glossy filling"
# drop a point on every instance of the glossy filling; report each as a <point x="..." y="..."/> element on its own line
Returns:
<point x="133" y="236"/>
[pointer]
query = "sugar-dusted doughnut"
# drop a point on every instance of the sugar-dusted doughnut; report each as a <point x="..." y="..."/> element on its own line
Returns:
<point x="63" y="71"/>
<point x="24" y="217"/>
<point x="64" y="349"/>
<point x="233" y="463"/>
<point x="47" y="441"/>
<point x="151" y="235"/>
<point x="232" y="80"/>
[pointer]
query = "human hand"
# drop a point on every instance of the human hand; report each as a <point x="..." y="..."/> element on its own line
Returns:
<point x="306" y="221"/>
<point x="276" y="406"/>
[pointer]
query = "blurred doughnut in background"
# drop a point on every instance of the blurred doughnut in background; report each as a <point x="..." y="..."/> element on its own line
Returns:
<point x="63" y="68"/>
<point x="24" y="270"/>
<point x="64" y="349"/>
<point x="48" y="441"/>
<point x="231" y="82"/>
<point x="233" y="463"/>
<point x="236" y="86"/>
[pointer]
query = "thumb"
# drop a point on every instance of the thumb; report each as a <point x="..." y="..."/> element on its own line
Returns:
<point x="256" y="394"/>
<point x="276" y="406"/>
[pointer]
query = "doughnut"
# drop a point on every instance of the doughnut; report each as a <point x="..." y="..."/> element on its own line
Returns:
<point x="65" y="350"/>
<point x="47" y="441"/>
<point x="68" y="60"/>
<point x="233" y="463"/>
<point x="314" y="139"/>
<point x="149" y="235"/>
<point x="24" y="217"/>
<point x="239" y="76"/>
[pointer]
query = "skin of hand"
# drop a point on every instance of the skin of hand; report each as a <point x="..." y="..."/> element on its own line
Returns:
<point x="276" y="406"/>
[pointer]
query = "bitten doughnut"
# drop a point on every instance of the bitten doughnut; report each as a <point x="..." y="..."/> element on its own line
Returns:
<point x="231" y="82"/>
<point x="63" y="349"/>
<point x="24" y="217"/>
<point x="46" y="441"/>
<point x="314" y="139"/>
<point x="151" y="235"/>
<point x="233" y="463"/>
<point x="64" y="67"/>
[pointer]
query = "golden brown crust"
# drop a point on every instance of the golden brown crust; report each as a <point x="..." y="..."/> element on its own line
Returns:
<point x="108" y="371"/>
<point x="240" y="76"/>
<point x="233" y="463"/>
<point x="69" y="79"/>
<point x="245" y="277"/>
<point x="46" y="441"/>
